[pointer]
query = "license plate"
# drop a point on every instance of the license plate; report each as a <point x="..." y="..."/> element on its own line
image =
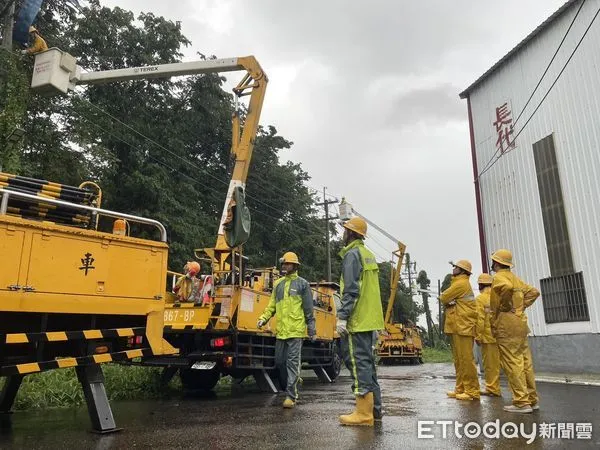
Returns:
<point x="395" y="352"/>
<point x="204" y="365"/>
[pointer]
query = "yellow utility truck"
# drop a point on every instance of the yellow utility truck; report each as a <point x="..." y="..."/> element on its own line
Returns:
<point x="65" y="298"/>
<point x="217" y="336"/>
<point x="399" y="342"/>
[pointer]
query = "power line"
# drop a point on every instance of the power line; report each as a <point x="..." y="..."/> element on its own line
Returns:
<point x="258" y="183"/>
<point x="491" y="160"/>
<point x="550" y="63"/>
<point x="157" y="144"/>
<point x="546" y="95"/>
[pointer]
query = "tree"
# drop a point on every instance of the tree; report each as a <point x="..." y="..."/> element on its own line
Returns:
<point x="405" y="308"/>
<point x="445" y="285"/>
<point x="424" y="283"/>
<point x="159" y="148"/>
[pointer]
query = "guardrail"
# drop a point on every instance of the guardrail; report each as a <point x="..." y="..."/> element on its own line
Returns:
<point x="104" y="212"/>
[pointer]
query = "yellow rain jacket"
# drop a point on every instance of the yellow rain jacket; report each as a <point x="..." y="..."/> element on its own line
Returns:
<point x="483" y="330"/>
<point x="39" y="45"/>
<point x="461" y="313"/>
<point x="509" y="297"/>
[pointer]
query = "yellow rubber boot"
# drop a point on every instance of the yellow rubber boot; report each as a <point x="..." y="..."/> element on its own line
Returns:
<point x="289" y="403"/>
<point x="363" y="413"/>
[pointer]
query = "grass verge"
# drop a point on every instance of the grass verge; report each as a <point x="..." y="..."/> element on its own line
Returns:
<point x="437" y="355"/>
<point x="61" y="389"/>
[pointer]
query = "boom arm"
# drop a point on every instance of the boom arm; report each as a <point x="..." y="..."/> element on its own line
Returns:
<point x="395" y="281"/>
<point x="56" y="71"/>
<point x="396" y="274"/>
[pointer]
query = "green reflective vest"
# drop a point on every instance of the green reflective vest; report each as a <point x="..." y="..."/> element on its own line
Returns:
<point x="367" y="314"/>
<point x="292" y="303"/>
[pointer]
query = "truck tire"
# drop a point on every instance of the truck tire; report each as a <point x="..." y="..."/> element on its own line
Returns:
<point x="203" y="380"/>
<point x="333" y="370"/>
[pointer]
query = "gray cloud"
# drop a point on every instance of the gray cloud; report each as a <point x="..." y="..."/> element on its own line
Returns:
<point x="368" y="90"/>
<point x="432" y="106"/>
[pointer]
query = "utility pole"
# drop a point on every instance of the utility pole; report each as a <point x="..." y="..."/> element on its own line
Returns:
<point x="440" y="317"/>
<point x="410" y="269"/>
<point x="327" y="219"/>
<point x="9" y="19"/>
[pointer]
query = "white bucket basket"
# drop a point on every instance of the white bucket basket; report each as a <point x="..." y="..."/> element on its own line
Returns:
<point x="52" y="72"/>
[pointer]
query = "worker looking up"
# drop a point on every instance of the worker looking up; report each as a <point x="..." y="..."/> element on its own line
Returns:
<point x="38" y="45"/>
<point x="292" y="303"/>
<point x="508" y="301"/>
<point x="188" y="287"/>
<point x="462" y="315"/>
<point x="359" y="315"/>
<point x="485" y="339"/>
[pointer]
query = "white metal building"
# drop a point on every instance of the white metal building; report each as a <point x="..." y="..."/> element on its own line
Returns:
<point x="541" y="196"/>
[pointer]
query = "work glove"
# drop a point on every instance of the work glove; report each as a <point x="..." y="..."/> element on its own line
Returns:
<point x="340" y="326"/>
<point x="260" y="323"/>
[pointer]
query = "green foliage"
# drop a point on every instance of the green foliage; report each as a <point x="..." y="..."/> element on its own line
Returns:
<point x="158" y="148"/>
<point x="14" y="90"/>
<point x="446" y="282"/>
<point x="405" y="308"/>
<point x="60" y="388"/>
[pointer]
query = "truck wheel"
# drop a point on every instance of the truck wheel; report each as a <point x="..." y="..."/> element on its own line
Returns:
<point x="203" y="380"/>
<point x="333" y="370"/>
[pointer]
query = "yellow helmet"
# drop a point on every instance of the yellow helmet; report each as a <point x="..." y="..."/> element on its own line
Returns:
<point x="357" y="224"/>
<point x="484" y="278"/>
<point x="291" y="258"/>
<point x="503" y="256"/>
<point x="463" y="264"/>
<point x="32" y="29"/>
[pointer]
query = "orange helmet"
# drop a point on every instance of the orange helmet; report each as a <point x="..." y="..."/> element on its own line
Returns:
<point x="192" y="267"/>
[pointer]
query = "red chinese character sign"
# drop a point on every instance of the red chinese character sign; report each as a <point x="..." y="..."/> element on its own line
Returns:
<point x="504" y="129"/>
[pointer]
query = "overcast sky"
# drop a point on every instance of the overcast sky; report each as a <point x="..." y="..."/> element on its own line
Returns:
<point x="368" y="93"/>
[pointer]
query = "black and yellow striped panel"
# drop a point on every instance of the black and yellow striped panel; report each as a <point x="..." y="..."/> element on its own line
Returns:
<point x="61" y="363"/>
<point x="57" y="336"/>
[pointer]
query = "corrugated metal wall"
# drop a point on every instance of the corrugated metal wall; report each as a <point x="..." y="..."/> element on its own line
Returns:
<point x="510" y="200"/>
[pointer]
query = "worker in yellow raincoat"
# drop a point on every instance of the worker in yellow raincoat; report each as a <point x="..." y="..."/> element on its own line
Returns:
<point x="461" y="319"/>
<point x="38" y="45"/>
<point x="188" y="287"/>
<point x="508" y="300"/>
<point x="528" y="299"/>
<point x="485" y="339"/>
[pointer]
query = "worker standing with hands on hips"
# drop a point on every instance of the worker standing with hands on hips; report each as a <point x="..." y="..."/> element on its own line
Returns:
<point x="292" y="303"/>
<point x="485" y="339"/>
<point x="462" y="315"/>
<point x="360" y="314"/>
<point x="38" y="45"/>
<point x="509" y="297"/>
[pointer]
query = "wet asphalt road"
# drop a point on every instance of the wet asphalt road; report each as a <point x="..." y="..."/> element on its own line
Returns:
<point x="242" y="417"/>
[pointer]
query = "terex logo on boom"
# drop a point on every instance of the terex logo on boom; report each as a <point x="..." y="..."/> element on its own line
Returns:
<point x="148" y="69"/>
